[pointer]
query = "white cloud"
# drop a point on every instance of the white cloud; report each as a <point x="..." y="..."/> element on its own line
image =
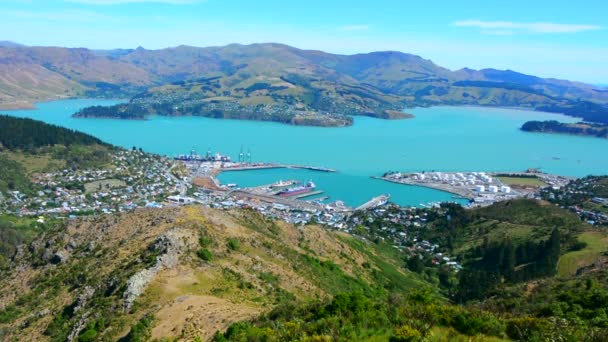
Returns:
<point x="119" y="2"/>
<point x="494" y="27"/>
<point x="354" y="28"/>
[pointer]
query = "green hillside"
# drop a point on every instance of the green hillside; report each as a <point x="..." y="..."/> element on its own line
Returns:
<point x="28" y="146"/>
<point x="275" y="82"/>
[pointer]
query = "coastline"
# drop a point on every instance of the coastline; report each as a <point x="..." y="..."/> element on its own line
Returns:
<point x="33" y="105"/>
<point x="448" y="189"/>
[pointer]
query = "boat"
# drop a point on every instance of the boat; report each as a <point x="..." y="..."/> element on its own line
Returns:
<point x="281" y="184"/>
<point x="308" y="187"/>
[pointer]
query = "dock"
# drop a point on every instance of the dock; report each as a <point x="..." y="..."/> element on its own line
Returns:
<point x="313" y="168"/>
<point x="245" y="167"/>
<point x="461" y="192"/>
<point x="252" y="167"/>
<point x="374" y="202"/>
<point x="320" y="199"/>
<point x="308" y="194"/>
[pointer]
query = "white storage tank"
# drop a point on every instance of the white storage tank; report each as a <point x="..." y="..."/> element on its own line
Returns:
<point x="480" y="188"/>
<point x="505" y="189"/>
<point x="493" y="188"/>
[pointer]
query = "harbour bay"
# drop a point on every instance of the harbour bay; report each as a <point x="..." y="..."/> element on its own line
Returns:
<point x="438" y="138"/>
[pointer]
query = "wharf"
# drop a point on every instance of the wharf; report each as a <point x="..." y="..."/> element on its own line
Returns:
<point x="313" y="168"/>
<point x="308" y="194"/>
<point x="320" y="199"/>
<point x="246" y="167"/>
<point x="291" y="202"/>
<point x="252" y="167"/>
<point x="374" y="202"/>
<point x="462" y="192"/>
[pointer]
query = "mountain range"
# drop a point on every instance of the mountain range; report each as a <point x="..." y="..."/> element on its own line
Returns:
<point x="273" y="82"/>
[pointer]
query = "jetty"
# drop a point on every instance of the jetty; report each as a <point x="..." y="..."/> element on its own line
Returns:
<point x="245" y="167"/>
<point x="313" y="168"/>
<point x="374" y="202"/>
<point x="307" y="194"/>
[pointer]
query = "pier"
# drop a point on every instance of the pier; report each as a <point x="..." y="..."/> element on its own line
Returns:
<point x="374" y="202"/>
<point x="245" y="167"/>
<point x="313" y="168"/>
<point x="308" y="194"/>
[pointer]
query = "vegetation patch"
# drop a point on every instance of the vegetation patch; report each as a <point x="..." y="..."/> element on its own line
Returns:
<point x="596" y="244"/>
<point x="204" y="254"/>
<point x="522" y="181"/>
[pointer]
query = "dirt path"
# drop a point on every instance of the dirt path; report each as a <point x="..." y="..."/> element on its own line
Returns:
<point x="190" y="316"/>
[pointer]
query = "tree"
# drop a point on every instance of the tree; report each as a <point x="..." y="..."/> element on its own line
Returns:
<point x="415" y="264"/>
<point x="552" y="248"/>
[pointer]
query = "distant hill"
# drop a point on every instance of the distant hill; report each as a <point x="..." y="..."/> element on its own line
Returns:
<point x="255" y="81"/>
<point x="6" y="43"/>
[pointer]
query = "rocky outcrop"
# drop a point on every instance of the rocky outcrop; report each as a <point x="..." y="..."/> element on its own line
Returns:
<point x="169" y="247"/>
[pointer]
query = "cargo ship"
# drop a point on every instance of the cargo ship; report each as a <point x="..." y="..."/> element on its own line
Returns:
<point x="298" y="190"/>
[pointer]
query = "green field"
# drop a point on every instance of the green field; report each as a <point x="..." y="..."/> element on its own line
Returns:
<point x="104" y="185"/>
<point x="35" y="162"/>
<point x="569" y="263"/>
<point x="522" y="181"/>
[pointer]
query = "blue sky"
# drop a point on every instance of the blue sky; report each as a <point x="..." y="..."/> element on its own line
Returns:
<point x="562" y="39"/>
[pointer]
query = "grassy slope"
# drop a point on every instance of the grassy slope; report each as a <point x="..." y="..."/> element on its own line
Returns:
<point x="274" y="263"/>
<point x="520" y="220"/>
<point x="571" y="262"/>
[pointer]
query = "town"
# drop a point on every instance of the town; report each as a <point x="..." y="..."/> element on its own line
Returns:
<point x="140" y="180"/>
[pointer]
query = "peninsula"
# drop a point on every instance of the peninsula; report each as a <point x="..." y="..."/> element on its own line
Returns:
<point x="580" y="128"/>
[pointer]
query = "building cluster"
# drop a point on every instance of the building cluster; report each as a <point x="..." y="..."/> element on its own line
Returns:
<point x="399" y="226"/>
<point x="581" y="197"/>
<point x="480" y="187"/>
<point x="331" y="215"/>
<point x="134" y="179"/>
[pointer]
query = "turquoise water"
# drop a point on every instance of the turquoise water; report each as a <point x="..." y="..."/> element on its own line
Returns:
<point x="439" y="138"/>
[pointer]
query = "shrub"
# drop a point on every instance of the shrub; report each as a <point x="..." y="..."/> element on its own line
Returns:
<point x="205" y="241"/>
<point x="525" y="328"/>
<point x="269" y="278"/>
<point x="234" y="244"/>
<point x="88" y="335"/>
<point x="140" y="331"/>
<point x="9" y="314"/>
<point x="473" y="323"/>
<point x="406" y="333"/>
<point x="204" y="254"/>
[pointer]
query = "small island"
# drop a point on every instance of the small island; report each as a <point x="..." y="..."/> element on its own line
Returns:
<point x="580" y="128"/>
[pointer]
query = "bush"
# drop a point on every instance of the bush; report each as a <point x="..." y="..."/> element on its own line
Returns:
<point x="577" y="246"/>
<point x="88" y="336"/>
<point x="525" y="328"/>
<point x="204" y="254"/>
<point x="205" y="241"/>
<point x="234" y="244"/>
<point x="474" y="323"/>
<point x="9" y="314"/>
<point x="406" y="333"/>
<point x="140" y="331"/>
